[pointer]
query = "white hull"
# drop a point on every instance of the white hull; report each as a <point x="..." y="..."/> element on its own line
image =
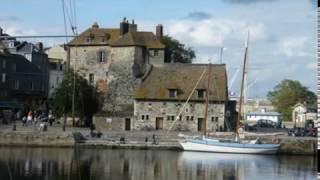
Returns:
<point x="191" y="146"/>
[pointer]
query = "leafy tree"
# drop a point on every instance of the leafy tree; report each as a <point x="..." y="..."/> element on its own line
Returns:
<point x="287" y="94"/>
<point x="176" y="51"/>
<point x="86" y="97"/>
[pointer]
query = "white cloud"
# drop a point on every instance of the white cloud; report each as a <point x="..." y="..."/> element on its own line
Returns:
<point x="292" y="46"/>
<point x="214" y="32"/>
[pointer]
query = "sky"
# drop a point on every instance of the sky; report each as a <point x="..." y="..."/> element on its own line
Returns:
<point x="282" y="43"/>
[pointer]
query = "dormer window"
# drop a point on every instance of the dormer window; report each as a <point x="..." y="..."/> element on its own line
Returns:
<point x="173" y="93"/>
<point x="201" y="93"/>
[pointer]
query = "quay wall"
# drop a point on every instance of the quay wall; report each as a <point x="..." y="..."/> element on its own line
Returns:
<point x="289" y="145"/>
<point x="39" y="139"/>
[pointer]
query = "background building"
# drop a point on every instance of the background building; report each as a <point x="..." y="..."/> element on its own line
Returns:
<point x="57" y="65"/>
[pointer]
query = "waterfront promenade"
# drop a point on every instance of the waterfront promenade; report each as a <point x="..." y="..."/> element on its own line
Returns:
<point x="56" y="137"/>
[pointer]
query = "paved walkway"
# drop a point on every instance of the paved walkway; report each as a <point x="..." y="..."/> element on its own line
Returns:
<point x="140" y="136"/>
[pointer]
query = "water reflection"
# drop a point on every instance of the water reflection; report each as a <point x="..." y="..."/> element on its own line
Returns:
<point x="98" y="164"/>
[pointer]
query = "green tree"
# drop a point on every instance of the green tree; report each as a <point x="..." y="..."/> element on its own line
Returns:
<point x="86" y="98"/>
<point x="287" y="94"/>
<point x="176" y="51"/>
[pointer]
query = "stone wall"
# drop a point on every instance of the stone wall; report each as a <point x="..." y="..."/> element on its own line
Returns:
<point x="36" y="139"/>
<point x="121" y="80"/>
<point x="85" y="60"/>
<point x="146" y="113"/>
<point x="115" y="78"/>
<point x="156" y="60"/>
<point x="103" y="123"/>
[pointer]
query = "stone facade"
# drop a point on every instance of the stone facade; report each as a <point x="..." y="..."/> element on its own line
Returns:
<point x="151" y="115"/>
<point x="115" y="60"/>
<point x="112" y="123"/>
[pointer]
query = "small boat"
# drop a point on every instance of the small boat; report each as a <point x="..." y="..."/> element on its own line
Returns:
<point x="229" y="146"/>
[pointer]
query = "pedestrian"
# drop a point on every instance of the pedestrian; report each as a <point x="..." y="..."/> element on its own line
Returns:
<point x="24" y="121"/>
<point x="154" y="139"/>
<point x="29" y="117"/>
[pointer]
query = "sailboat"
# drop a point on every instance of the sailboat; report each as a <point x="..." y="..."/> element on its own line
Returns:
<point x="235" y="145"/>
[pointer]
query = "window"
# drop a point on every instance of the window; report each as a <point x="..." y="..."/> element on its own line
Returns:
<point x="31" y="86"/>
<point x="101" y="56"/>
<point x="147" y="117"/>
<point x="191" y="118"/>
<point x="4" y="64"/>
<point x="14" y="67"/>
<point x="172" y="118"/>
<point x="168" y="118"/>
<point x="142" y="117"/>
<point x="172" y="93"/>
<point x="187" y="118"/>
<point x="180" y="118"/>
<point x="91" y="78"/>
<point x="217" y="118"/>
<point x="16" y="84"/>
<point x="201" y="93"/>
<point x="3" y="78"/>
<point x="155" y="52"/>
<point x="88" y="39"/>
<point x="212" y="119"/>
<point x="57" y="80"/>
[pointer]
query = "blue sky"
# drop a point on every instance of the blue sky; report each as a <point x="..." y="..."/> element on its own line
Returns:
<point x="282" y="32"/>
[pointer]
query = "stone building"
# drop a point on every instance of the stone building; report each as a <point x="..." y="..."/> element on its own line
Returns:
<point x="162" y="95"/>
<point x="57" y="65"/>
<point x="115" y="60"/>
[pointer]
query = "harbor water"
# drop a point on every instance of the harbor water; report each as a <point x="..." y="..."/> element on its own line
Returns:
<point x="18" y="163"/>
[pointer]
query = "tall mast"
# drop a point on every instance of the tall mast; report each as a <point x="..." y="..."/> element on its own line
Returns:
<point x="242" y="86"/>
<point x="207" y="100"/>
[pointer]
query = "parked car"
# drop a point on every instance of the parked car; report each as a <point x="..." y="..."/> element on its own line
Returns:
<point x="264" y="123"/>
<point x="296" y="132"/>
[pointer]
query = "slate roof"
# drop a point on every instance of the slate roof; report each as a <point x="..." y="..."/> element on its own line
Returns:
<point x="103" y="36"/>
<point x="22" y="64"/>
<point x="147" y="39"/>
<point x="97" y="36"/>
<point x="183" y="78"/>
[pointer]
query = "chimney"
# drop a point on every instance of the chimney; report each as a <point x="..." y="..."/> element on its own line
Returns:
<point x="95" y="25"/>
<point x="124" y="27"/>
<point x="133" y="27"/>
<point x="159" y="30"/>
<point x="39" y="45"/>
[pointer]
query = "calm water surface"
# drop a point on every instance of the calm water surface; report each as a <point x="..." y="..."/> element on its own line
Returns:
<point x="101" y="164"/>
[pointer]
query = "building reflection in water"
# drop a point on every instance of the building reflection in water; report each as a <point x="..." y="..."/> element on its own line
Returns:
<point x="99" y="164"/>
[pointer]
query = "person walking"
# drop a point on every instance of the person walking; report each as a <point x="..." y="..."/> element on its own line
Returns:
<point x="24" y="121"/>
<point x="29" y="117"/>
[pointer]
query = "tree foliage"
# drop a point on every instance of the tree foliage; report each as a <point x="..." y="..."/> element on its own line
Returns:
<point x="86" y="97"/>
<point x="176" y="51"/>
<point x="287" y="94"/>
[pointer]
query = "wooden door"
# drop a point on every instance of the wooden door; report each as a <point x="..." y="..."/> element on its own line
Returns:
<point x="159" y="123"/>
<point x="200" y="124"/>
<point x="128" y="124"/>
